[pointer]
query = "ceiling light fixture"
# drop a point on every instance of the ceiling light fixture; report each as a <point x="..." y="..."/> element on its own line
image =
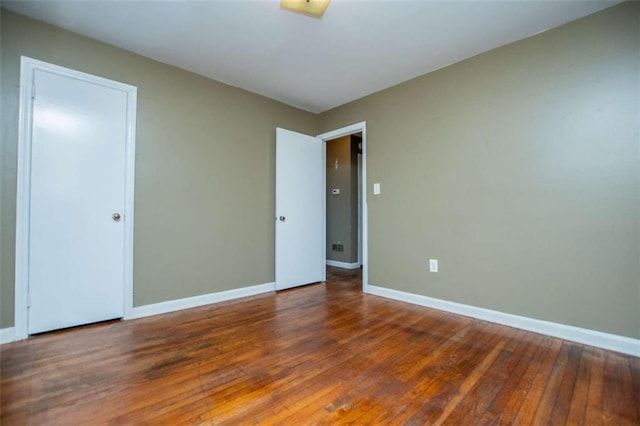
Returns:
<point x="313" y="8"/>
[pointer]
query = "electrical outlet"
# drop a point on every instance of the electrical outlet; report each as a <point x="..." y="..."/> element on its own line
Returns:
<point x="337" y="247"/>
<point x="433" y="265"/>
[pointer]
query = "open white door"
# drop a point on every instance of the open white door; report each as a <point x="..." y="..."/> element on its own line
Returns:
<point x="300" y="209"/>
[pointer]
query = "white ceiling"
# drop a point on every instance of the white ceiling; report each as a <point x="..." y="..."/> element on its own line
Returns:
<point x="357" y="48"/>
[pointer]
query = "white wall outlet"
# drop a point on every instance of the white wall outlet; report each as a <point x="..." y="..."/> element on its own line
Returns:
<point x="376" y="188"/>
<point x="433" y="265"/>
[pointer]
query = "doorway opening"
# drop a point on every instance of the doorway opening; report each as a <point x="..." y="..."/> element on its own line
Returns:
<point x="345" y="194"/>
<point x="343" y="211"/>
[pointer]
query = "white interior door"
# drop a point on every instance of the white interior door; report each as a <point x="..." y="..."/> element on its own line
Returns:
<point x="77" y="198"/>
<point x="300" y="209"/>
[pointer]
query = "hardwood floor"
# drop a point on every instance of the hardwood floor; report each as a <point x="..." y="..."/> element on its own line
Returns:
<point x="321" y="354"/>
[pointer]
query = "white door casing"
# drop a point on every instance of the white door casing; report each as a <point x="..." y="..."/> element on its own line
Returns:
<point x="360" y="127"/>
<point x="76" y="170"/>
<point x="359" y="164"/>
<point x="300" y="209"/>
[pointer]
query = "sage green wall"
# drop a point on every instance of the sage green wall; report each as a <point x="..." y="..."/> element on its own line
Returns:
<point x="519" y="170"/>
<point x="205" y="167"/>
<point x="342" y="209"/>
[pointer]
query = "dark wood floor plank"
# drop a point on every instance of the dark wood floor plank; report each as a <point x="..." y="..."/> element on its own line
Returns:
<point x="319" y="354"/>
<point x="526" y="409"/>
<point x="578" y="404"/>
<point x="521" y="368"/>
<point x="594" y="408"/>
<point x="618" y="401"/>
<point x="458" y="399"/>
<point x="437" y="382"/>
<point x="483" y="393"/>
<point x="565" y="395"/>
<point x="634" y="371"/>
<point x="552" y="389"/>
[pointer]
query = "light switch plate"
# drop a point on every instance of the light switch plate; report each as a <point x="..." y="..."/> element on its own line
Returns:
<point x="376" y="189"/>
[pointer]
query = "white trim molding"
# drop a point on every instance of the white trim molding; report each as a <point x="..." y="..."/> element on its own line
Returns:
<point x="622" y="344"/>
<point x="202" y="300"/>
<point x="7" y="335"/>
<point x="343" y="265"/>
<point x="28" y="66"/>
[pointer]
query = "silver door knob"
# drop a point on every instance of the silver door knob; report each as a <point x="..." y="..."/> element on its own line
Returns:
<point x="282" y="218"/>
<point x="116" y="217"/>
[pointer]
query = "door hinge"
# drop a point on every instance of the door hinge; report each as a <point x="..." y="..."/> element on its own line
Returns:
<point x="28" y="300"/>
<point x="33" y="90"/>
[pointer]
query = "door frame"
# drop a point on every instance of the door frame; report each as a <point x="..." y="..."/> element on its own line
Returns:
<point x="333" y="134"/>
<point x="23" y="196"/>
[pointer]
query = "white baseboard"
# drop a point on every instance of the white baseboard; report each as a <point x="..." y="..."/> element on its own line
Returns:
<point x="195" y="301"/>
<point x="343" y="265"/>
<point x="625" y="345"/>
<point x="7" y="335"/>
